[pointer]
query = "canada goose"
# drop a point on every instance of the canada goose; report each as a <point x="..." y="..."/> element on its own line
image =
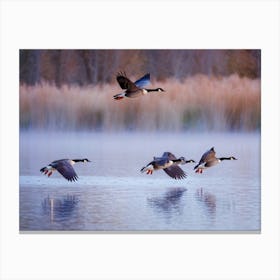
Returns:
<point x="209" y="159"/>
<point x="134" y="89"/>
<point x="64" y="167"/>
<point x="169" y="163"/>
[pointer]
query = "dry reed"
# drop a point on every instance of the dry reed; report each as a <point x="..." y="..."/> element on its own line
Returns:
<point x="199" y="102"/>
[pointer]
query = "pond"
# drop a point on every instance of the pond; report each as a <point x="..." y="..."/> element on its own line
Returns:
<point x="112" y="195"/>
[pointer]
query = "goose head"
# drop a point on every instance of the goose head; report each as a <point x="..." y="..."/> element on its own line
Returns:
<point x="160" y="90"/>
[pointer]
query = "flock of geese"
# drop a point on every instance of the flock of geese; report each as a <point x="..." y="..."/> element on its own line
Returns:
<point x="167" y="162"/>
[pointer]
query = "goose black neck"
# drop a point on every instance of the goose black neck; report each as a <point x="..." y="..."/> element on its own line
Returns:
<point x="78" y="160"/>
<point x="225" y="158"/>
<point x="151" y="89"/>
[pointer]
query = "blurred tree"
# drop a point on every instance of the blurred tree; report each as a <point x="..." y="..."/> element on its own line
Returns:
<point x="244" y="62"/>
<point x="29" y="62"/>
<point x="84" y="67"/>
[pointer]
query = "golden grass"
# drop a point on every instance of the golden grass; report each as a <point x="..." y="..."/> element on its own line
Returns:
<point x="199" y="102"/>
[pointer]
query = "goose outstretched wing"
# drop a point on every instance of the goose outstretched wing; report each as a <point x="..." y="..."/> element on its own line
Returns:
<point x="208" y="156"/>
<point x="125" y="83"/>
<point x="144" y="81"/>
<point x="168" y="155"/>
<point x="65" y="169"/>
<point x="175" y="172"/>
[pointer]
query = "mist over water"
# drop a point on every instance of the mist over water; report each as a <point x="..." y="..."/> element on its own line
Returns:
<point x="113" y="195"/>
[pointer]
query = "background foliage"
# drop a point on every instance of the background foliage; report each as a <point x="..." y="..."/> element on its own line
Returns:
<point x="205" y="90"/>
<point x="91" y="67"/>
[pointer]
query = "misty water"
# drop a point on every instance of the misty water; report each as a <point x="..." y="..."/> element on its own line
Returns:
<point x="112" y="194"/>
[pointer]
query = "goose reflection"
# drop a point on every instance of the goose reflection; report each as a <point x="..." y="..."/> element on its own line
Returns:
<point x="169" y="202"/>
<point x="59" y="209"/>
<point x="208" y="200"/>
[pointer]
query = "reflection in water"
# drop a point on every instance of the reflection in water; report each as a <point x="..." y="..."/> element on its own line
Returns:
<point x="208" y="199"/>
<point x="169" y="202"/>
<point x="111" y="199"/>
<point x="59" y="209"/>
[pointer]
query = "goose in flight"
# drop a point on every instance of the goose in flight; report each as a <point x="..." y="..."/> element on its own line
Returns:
<point x="64" y="167"/>
<point x="133" y="89"/>
<point x="169" y="163"/>
<point x="209" y="159"/>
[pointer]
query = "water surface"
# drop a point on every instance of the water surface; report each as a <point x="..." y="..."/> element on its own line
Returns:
<point x="112" y="195"/>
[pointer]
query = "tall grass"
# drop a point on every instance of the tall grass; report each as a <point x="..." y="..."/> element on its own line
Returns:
<point x="199" y="102"/>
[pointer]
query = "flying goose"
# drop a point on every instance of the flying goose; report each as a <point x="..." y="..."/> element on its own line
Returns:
<point x="64" y="167"/>
<point x="133" y="89"/>
<point x="209" y="159"/>
<point x="169" y="163"/>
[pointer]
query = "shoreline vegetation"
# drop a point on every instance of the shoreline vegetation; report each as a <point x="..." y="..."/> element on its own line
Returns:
<point x="227" y="103"/>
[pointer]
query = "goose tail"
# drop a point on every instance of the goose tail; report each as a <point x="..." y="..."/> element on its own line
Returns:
<point x="119" y="96"/>
<point x="47" y="170"/>
<point x="148" y="169"/>
<point x="196" y="166"/>
<point x="43" y="169"/>
<point x="143" y="169"/>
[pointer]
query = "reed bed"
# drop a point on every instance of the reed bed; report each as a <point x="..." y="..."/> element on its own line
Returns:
<point x="198" y="102"/>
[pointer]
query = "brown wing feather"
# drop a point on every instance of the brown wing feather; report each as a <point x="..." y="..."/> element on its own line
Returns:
<point x="175" y="172"/>
<point x="125" y="83"/>
<point x="168" y="155"/>
<point x="66" y="170"/>
<point x="208" y="156"/>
